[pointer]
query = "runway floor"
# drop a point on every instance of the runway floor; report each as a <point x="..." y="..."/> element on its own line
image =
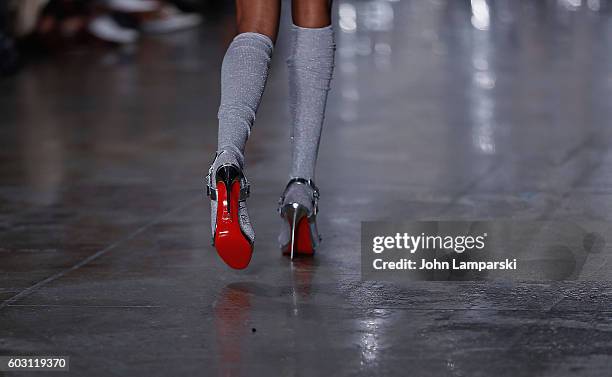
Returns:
<point x="435" y="113"/>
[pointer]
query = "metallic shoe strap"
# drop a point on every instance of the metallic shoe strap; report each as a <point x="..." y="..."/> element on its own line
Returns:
<point x="302" y="181"/>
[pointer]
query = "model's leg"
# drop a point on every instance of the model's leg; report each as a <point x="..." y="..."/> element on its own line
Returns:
<point x="244" y="72"/>
<point x="258" y="16"/>
<point x="311" y="13"/>
<point x="310" y="71"/>
<point x="243" y="77"/>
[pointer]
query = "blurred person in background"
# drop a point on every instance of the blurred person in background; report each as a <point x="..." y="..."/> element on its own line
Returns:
<point x="149" y="16"/>
<point x="59" y="23"/>
<point x="243" y="77"/>
<point x="9" y="58"/>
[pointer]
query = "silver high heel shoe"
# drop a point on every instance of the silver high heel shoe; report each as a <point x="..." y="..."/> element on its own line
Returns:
<point x="299" y="235"/>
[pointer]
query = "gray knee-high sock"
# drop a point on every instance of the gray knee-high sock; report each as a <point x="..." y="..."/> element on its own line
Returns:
<point x="243" y="77"/>
<point x="310" y="71"/>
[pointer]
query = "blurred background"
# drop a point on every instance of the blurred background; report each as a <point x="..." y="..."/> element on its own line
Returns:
<point x="444" y="91"/>
<point x="30" y="29"/>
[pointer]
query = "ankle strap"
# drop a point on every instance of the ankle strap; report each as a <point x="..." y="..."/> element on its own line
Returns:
<point x="302" y="181"/>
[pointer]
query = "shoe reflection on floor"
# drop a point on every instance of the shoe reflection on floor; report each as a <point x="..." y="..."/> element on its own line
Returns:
<point x="233" y="310"/>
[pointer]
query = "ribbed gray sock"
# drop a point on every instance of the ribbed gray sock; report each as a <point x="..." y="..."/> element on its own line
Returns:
<point x="243" y="77"/>
<point x="310" y="66"/>
<point x="244" y="73"/>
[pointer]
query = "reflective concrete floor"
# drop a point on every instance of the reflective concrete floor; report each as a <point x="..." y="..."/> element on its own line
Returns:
<point x="439" y="110"/>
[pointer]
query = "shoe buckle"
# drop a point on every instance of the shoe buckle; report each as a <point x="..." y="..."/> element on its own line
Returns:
<point x="210" y="192"/>
<point x="315" y="200"/>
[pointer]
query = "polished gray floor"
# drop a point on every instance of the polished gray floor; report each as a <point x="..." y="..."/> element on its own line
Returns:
<point x="439" y="110"/>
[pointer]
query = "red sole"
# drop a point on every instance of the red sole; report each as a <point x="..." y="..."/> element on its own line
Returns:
<point x="232" y="246"/>
<point x="303" y="239"/>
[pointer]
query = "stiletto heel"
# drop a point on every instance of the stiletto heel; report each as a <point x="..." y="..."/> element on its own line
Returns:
<point x="227" y="174"/>
<point x="232" y="244"/>
<point x="304" y="236"/>
<point x="293" y="224"/>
